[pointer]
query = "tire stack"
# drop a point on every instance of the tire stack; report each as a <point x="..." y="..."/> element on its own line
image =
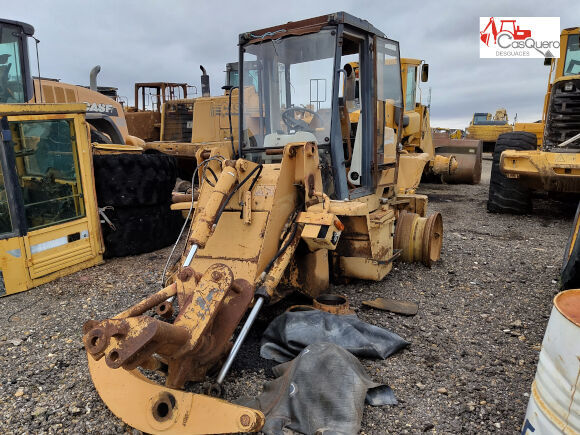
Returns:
<point x="509" y="195"/>
<point x="136" y="189"/>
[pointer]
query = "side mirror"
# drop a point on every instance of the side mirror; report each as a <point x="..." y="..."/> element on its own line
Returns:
<point x="547" y="61"/>
<point x="425" y="72"/>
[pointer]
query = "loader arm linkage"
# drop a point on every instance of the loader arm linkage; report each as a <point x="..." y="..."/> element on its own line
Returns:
<point x="211" y="304"/>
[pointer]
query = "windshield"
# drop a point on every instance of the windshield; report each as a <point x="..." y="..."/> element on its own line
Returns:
<point x="478" y="118"/>
<point x="572" y="62"/>
<point x="291" y="98"/>
<point x="11" y="81"/>
<point x="250" y="75"/>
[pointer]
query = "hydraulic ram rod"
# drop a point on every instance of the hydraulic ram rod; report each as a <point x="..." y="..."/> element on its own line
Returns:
<point x="240" y="340"/>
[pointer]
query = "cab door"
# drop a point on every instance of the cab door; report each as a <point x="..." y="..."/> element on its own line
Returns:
<point x="54" y="176"/>
<point x="14" y="275"/>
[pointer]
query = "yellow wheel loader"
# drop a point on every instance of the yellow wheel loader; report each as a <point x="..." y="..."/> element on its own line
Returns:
<point x="454" y="160"/>
<point x="50" y="185"/>
<point x="521" y="163"/>
<point x="280" y="210"/>
<point x="487" y="128"/>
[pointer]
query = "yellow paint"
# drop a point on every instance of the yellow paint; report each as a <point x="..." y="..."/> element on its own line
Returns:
<point x="32" y="269"/>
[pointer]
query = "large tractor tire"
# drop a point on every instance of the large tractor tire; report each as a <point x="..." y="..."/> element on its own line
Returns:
<point x="508" y="195"/>
<point x="128" y="180"/>
<point x="570" y="273"/>
<point x="140" y="229"/>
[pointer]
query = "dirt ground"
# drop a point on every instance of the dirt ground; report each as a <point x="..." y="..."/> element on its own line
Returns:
<point x="474" y="346"/>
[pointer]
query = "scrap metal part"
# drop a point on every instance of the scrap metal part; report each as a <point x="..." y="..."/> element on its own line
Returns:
<point x="394" y="306"/>
<point x="334" y="304"/>
<point x="153" y="408"/>
<point x="468" y="154"/>
<point x="420" y="239"/>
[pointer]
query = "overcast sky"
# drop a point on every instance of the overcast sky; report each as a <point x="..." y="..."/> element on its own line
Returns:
<point x="146" y="40"/>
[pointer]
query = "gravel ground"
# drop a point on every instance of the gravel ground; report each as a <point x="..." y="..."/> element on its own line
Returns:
<point x="474" y="347"/>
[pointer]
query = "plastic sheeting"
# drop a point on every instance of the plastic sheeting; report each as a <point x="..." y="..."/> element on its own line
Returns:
<point x="291" y="332"/>
<point x="320" y="391"/>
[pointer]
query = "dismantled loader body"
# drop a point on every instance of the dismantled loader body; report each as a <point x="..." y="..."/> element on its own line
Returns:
<point x="144" y="120"/>
<point x="279" y="209"/>
<point x="521" y="163"/>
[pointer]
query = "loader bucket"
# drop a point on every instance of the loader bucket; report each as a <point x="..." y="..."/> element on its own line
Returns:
<point x="468" y="155"/>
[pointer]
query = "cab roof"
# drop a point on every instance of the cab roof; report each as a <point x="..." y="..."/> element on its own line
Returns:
<point x="310" y="25"/>
<point x="27" y="28"/>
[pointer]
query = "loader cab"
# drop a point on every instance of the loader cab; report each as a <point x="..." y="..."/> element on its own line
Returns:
<point x="303" y="89"/>
<point x="563" y="97"/>
<point x="15" y="76"/>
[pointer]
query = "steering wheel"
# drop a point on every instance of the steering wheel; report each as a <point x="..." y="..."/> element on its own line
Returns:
<point x="289" y="118"/>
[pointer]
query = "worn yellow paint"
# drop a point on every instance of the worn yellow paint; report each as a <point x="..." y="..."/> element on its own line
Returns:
<point x="541" y="169"/>
<point x="192" y="413"/>
<point x="532" y="127"/>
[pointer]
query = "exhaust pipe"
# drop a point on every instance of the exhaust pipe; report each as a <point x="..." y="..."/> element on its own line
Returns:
<point x="93" y="77"/>
<point x="204" y="82"/>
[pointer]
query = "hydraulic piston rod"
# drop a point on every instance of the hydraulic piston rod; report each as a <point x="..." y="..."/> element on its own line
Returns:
<point x="240" y="340"/>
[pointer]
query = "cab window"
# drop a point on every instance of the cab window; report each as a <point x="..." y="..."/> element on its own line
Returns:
<point x="11" y="81"/>
<point x="572" y="63"/>
<point x="48" y="171"/>
<point x="411" y="88"/>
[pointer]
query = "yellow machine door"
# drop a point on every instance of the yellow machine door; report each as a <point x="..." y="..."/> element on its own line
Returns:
<point x="51" y="173"/>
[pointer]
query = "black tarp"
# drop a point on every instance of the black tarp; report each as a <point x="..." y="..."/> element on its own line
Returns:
<point x="321" y="391"/>
<point x="292" y="331"/>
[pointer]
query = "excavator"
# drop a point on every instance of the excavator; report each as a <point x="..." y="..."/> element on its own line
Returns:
<point x="279" y="209"/>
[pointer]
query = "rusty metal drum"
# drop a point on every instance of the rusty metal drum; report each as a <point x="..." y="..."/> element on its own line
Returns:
<point x="554" y="405"/>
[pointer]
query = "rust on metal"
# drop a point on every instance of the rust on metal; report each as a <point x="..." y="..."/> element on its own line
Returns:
<point x="394" y="306"/>
<point x="334" y="304"/>
<point x="164" y="309"/>
<point x="467" y="152"/>
<point x="568" y="303"/>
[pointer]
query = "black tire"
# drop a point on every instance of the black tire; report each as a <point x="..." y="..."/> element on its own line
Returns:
<point x="140" y="229"/>
<point x="126" y="180"/>
<point x="508" y="195"/>
<point x="570" y="273"/>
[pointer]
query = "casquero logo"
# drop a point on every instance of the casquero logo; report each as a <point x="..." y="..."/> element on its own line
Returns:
<point x="521" y="37"/>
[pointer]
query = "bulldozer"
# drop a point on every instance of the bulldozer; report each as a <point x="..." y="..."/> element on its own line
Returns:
<point x="487" y="128"/>
<point x="278" y="211"/>
<point x="53" y="190"/>
<point x="522" y="164"/>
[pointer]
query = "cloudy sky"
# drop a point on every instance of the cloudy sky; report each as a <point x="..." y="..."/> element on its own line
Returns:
<point x="148" y="40"/>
